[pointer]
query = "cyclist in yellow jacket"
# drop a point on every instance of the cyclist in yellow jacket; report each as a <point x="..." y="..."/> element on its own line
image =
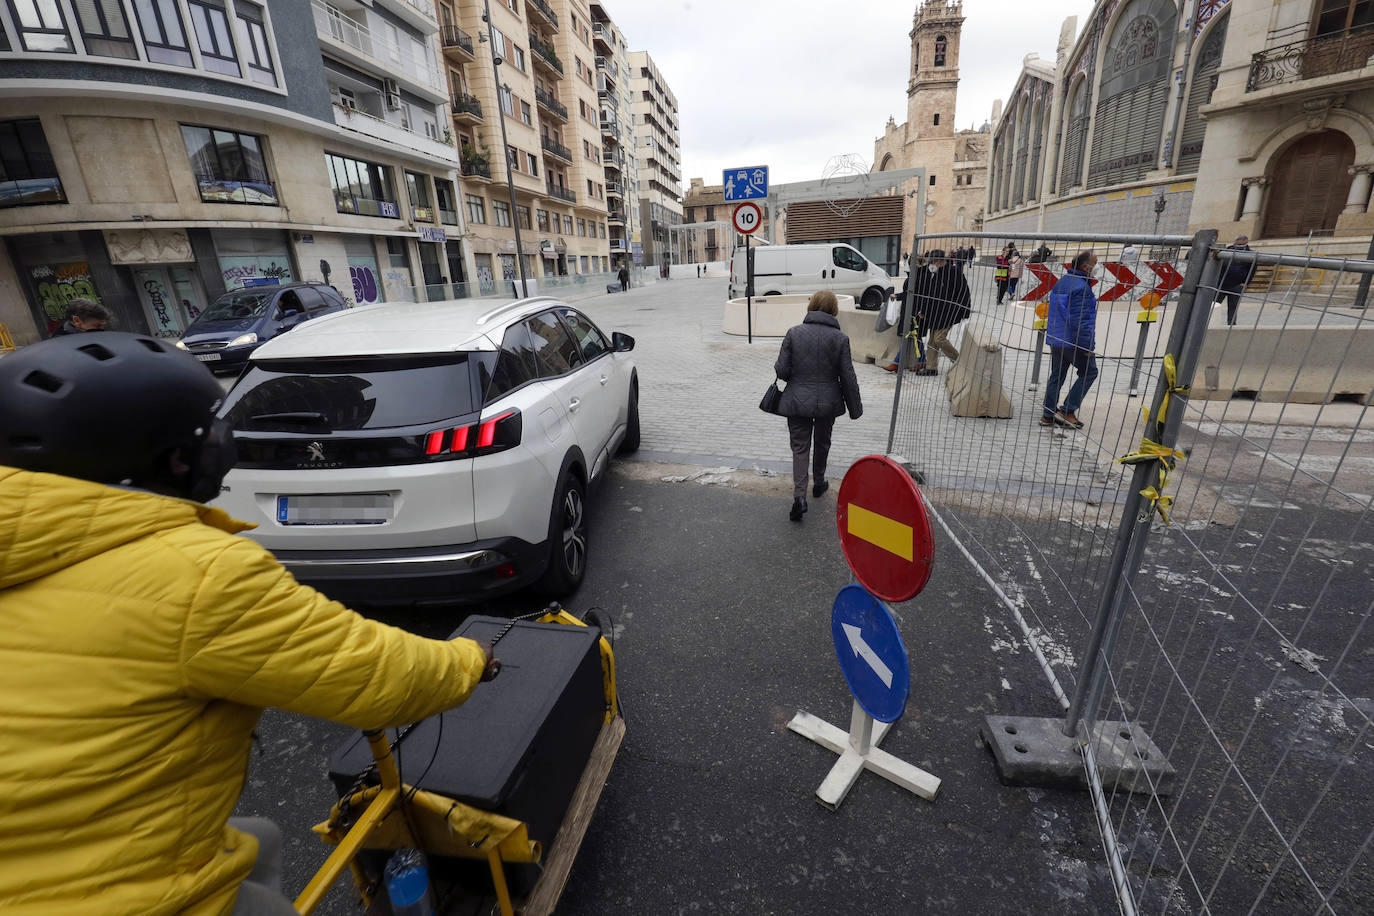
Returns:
<point x="142" y="639"/>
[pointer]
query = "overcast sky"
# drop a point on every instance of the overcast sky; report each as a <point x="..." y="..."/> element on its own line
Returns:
<point x="791" y="83"/>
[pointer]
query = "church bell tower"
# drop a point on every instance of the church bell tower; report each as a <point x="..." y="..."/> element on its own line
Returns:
<point x="934" y="79"/>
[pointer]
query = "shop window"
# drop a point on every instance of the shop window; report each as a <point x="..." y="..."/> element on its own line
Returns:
<point x="41" y="26"/>
<point x="212" y="34"/>
<point x="164" y="35"/>
<point x="28" y="174"/>
<point x="361" y="187"/>
<point x="251" y="20"/>
<point x="105" y="30"/>
<point x="229" y="167"/>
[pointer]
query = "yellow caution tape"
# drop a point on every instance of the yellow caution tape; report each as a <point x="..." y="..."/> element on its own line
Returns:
<point x="1150" y="450"/>
<point x="1171" y="377"/>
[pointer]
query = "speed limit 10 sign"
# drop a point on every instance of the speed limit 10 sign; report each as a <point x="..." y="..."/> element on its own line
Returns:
<point x="747" y="217"/>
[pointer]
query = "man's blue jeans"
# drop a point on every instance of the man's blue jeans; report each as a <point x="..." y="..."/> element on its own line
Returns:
<point x="1061" y="358"/>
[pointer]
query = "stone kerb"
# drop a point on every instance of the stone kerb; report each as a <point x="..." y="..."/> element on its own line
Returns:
<point x="975" y="381"/>
<point x="1294" y="365"/>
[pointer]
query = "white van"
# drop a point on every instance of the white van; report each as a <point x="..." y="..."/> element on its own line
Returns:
<point x="781" y="270"/>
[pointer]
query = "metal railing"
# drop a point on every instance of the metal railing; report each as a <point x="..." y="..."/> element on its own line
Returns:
<point x="453" y="37"/>
<point x="1311" y="57"/>
<point x="467" y="104"/>
<point x="547" y="100"/>
<point x="1191" y="579"/>
<point x="555" y="148"/>
<point x="475" y="168"/>
<point x="544" y="51"/>
<point x="545" y="10"/>
<point x="561" y="193"/>
<point x="387" y="56"/>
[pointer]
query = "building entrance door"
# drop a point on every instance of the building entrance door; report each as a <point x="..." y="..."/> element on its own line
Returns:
<point x="172" y="297"/>
<point x="1310" y="185"/>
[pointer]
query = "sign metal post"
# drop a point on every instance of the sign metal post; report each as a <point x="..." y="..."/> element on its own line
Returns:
<point x="740" y="185"/>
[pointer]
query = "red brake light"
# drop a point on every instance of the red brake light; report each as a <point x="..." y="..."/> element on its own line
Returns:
<point x="487" y="434"/>
<point x="434" y="442"/>
<point x="460" y="439"/>
<point x="497" y="434"/>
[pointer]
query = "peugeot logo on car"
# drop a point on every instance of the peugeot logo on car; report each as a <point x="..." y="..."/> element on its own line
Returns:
<point x="315" y="451"/>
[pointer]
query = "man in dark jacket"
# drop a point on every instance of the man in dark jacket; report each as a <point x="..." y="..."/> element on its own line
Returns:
<point x="819" y="372"/>
<point x="83" y="315"/>
<point x="942" y="302"/>
<point x="1235" y="276"/>
<point x="624" y="277"/>
<point x="1072" y="336"/>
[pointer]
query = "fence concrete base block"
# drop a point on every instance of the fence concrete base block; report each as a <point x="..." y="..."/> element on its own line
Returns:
<point x="975" y="381"/>
<point x="1036" y="752"/>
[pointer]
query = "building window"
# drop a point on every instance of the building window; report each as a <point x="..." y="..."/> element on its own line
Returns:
<point x="932" y="181"/>
<point x="522" y="216"/>
<point x="477" y="209"/>
<point x="940" y="45"/>
<point x="513" y="158"/>
<point x="506" y="99"/>
<point x="361" y="187"/>
<point x="417" y="187"/>
<point x="710" y="214"/>
<point x="582" y="227"/>
<point x="591" y="189"/>
<point x="27" y="172"/>
<point x="259" y="56"/>
<point x="445" y="201"/>
<point x="229" y="167"/>
<point x="526" y="113"/>
<point x="212" y="33"/>
<point x="602" y="228"/>
<point x="105" y="30"/>
<point x="541" y="218"/>
<point x="164" y="36"/>
<point x="500" y="213"/>
<point x="567" y="225"/>
<point x="532" y="165"/>
<point x="1336" y="16"/>
<point x="41" y="27"/>
<point x="937" y="120"/>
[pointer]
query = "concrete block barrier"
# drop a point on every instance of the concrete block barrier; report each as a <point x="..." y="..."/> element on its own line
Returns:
<point x="1296" y="364"/>
<point x="974" y="382"/>
<point x="773" y="315"/>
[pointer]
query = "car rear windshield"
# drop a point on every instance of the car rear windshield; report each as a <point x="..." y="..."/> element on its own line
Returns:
<point x="330" y="395"/>
<point x="243" y="304"/>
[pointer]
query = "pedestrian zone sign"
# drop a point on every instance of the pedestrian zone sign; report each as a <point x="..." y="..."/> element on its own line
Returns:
<point x="745" y="184"/>
<point x="871" y="653"/>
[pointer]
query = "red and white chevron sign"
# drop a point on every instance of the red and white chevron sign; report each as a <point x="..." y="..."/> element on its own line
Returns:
<point x="1126" y="280"/>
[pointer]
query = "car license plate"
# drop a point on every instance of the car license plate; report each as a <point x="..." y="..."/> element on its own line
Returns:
<point x="334" y="509"/>
<point x="207" y="357"/>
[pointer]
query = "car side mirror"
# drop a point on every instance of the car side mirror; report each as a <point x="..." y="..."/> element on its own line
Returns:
<point x="621" y="342"/>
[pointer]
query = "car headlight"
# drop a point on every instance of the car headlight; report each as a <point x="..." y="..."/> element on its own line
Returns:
<point x="181" y="345"/>
<point x="244" y="340"/>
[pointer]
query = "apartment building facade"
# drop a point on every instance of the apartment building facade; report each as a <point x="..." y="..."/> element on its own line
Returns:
<point x="617" y="134"/>
<point x="657" y="146"/>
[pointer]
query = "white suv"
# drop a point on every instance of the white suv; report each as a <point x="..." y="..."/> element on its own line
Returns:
<point x="430" y="453"/>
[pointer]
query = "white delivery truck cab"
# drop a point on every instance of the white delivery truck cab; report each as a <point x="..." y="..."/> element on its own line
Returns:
<point x="781" y="270"/>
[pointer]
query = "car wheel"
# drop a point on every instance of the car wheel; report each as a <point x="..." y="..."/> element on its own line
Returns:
<point x="567" y="540"/>
<point x="630" y="444"/>
<point x="872" y="300"/>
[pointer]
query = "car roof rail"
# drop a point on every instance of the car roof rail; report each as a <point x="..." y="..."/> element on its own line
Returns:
<point x="511" y="307"/>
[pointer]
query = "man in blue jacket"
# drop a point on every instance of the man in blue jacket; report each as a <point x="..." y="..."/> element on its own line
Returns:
<point x="1072" y="336"/>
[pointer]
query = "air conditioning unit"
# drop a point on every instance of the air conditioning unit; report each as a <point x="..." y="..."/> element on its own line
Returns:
<point x="393" y="95"/>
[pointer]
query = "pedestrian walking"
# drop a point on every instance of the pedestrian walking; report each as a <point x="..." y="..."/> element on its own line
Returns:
<point x="942" y="303"/>
<point x="1072" y="336"/>
<point x="1000" y="270"/>
<point x="623" y="275"/>
<point x="821" y="384"/>
<point x="1041" y="254"/>
<point x="1130" y="254"/>
<point x="83" y="315"/>
<point x="916" y="282"/>
<point x="1015" y="265"/>
<point x="1235" y="276"/>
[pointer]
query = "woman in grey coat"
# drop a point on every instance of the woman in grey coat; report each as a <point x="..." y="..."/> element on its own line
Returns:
<point x="821" y="384"/>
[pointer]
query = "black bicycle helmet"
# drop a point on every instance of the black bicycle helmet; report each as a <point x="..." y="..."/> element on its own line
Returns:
<point x="109" y="407"/>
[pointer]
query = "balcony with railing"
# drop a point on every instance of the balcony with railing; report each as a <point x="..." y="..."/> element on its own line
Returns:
<point x="603" y="38"/>
<point x="355" y="44"/>
<point x="615" y="216"/>
<point x="612" y="159"/>
<point x="554" y="148"/>
<point x="418" y="13"/>
<point x="610" y="126"/>
<point x="550" y="104"/>
<point x="561" y="193"/>
<point x="613" y="189"/>
<point x="543" y="53"/>
<point x="467" y="109"/>
<point x="1324" y="55"/>
<point x="475" y="165"/>
<point x="607" y="93"/>
<point x="389" y="132"/>
<point x="457" y="44"/>
<point x="606" y="68"/>
<point x="545" y="11"/>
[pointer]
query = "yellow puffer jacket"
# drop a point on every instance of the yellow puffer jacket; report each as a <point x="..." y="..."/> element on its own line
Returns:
<point x="140" y="639"/>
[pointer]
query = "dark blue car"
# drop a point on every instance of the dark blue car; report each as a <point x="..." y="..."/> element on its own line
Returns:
<point x="225" y="334"/>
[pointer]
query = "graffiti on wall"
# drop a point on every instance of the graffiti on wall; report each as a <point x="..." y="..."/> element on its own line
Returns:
<point x="59" y="284"/>
<point x="235" y="274"/>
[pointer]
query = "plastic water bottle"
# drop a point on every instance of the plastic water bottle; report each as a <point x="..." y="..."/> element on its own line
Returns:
<point x="407" y="884"/>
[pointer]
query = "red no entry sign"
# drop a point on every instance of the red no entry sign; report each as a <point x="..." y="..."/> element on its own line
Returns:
<point x="884" y="528"/>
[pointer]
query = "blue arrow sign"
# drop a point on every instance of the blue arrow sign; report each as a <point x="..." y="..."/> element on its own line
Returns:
<point x="871" y="652"/>
<point x="745" y="184"/>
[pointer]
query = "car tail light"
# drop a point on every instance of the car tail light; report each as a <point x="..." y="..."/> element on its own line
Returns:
<point x="485" y="437"/>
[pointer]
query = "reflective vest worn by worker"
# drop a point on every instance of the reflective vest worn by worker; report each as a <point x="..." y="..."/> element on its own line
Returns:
<point x="141" y="641"/>
<point x="1000" y="270"/>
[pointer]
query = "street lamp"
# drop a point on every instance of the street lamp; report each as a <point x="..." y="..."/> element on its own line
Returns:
<point x="505" y="153"/>
<point x="1160" y="204"/>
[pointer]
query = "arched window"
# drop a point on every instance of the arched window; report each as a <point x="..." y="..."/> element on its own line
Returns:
<point x="960" y="218"/>
<point x="940" y="46"/>
<point x="996" y="172"/>
<point x="1023" y="133"/>
<point x="915" y="57"/>
<point x="1075" y="136"/>
<point x="1133" y="94"/>
<point x="1309" y="184"/>
<point x="1189" y="155"/>
<point x="1036" y="144"/>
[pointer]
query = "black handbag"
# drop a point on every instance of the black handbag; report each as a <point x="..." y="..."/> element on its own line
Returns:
<point x="772" y="399"/>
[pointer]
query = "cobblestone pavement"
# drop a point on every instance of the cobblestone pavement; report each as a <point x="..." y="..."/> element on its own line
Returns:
<point x="700" y="387"/>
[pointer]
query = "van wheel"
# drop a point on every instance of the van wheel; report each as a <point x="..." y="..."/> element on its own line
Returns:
<point x="567" y="540"/>
<point x="630" y="443"/>
<point x="772" y="292"/>
<point x="872" y="300"/>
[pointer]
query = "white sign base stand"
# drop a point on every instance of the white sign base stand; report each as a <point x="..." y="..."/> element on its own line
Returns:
<point x="859" y="751"/>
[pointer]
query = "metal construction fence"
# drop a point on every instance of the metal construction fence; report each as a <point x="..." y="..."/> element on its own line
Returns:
<point x="1200" y="609"/>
